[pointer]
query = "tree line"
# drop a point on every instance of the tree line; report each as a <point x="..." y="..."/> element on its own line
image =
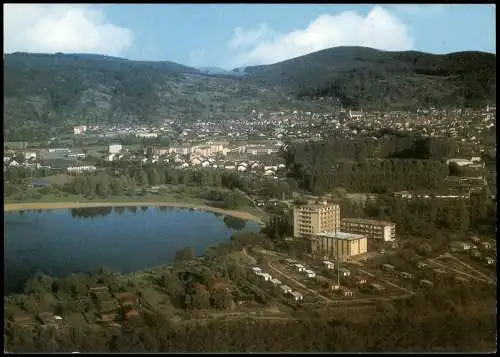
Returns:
<point x="369" y="165"/>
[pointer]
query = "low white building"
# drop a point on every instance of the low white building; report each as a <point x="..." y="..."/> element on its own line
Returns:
<point x="275" y="282"/>
<point x="78" y="130"/>
<point x="286" y="289"/>
<point x="86" y="168"/>
<point x="299" y="267"/>
<point x="310" y="273"/>
<point x="256" y="269"/>
<point x="29" y="155"/>
<point x="115" y="148"/>
<point x="265" y="276"/>
<point x="328" y="264"/>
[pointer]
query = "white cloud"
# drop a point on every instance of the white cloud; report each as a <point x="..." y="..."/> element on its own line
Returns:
<point x="378" y="29"/>
<point x="62" y="28"/>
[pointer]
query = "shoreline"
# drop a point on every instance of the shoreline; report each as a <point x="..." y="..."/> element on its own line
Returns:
<point x="12" y="207"/>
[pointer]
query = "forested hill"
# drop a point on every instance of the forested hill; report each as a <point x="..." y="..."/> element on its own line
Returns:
<point x="45" y="91"/>
<point x="366" y="77"/>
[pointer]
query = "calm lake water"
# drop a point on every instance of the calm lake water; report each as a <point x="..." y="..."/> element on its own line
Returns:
<point x="125" y="239"/>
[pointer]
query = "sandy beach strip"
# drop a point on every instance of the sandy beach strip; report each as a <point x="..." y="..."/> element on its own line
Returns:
<point x="9" y="207"/>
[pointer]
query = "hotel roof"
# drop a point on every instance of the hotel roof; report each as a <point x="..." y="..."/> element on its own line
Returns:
<point x="341" y="235"/>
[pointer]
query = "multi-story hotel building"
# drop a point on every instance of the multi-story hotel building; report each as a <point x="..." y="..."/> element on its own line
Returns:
<point x="373" y="229"/>
<point x="340" y="246"/>
<point x="315" y="218"/>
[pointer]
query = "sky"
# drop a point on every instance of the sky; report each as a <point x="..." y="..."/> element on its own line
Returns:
<point x="238" y="35"/>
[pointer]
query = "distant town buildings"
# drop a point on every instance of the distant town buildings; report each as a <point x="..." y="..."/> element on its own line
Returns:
<point x="115" y="148"/>
<point x="78" y="130"/>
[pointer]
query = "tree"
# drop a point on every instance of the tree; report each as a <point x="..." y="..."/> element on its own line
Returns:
<point x="186" y="253"/>
<point x="222" y="299"/>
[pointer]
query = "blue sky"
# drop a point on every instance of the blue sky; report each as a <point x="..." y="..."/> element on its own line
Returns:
<point x="229" y="36"/>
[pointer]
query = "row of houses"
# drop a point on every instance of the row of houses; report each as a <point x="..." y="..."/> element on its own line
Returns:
<point x="285" y="288"/>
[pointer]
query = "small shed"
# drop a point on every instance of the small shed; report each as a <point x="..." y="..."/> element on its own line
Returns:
<point x="300" y="267"/>
<point x="310" y="273"/>
<point x="475" y="239"/>
<point x="485" y="245"/>
<point x="297" y="296"/>
<point x="328" y="264"/>
<point x="346" y="292"/>
<point x="489" y="260"/>
<point x="427" y="283"/>
<point x="421" y="265"/>
<point x="388" y="267"/>
<point x="360" y="280"/>
<point x="406" y="275"/>
<point x="286" y="289"/>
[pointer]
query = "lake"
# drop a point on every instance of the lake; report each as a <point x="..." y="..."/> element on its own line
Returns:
<point x="124" y="239"/>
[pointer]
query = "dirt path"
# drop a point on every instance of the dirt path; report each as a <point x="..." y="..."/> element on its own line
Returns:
<point x="456" y="271"/>
<point x="62" y="205"/>
<point x="471" y="268"/>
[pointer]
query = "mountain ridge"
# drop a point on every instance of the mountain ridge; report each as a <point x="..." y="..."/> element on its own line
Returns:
<point x="47" y="90"/>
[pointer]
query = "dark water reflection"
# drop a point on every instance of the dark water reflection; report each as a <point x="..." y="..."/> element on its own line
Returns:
<point x="125" y="239"/>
